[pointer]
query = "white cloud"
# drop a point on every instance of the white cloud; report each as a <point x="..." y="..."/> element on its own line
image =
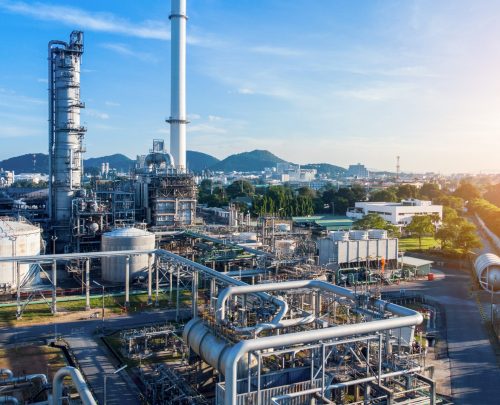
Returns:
<point x="245" y="90"/>
<point x="276" y="51"/>
<point x="41" y="80"/>
<point x="75" y="17"/>
<point x="112" y="104"/>
<point x="206" y="128"/>
<point x="9" y="131"/>
<point x="194" y="116"/>
<point x="377" y="93"/>
<point x="124" y="50"/>
<point x="102" y="22"/>
<point x="95" y="114"/>
<point x="214" y="118"/>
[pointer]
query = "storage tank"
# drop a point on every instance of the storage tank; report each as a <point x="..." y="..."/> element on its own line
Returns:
<point x="283" y="227"/>
<point x="113" y="268"/>
<point x="246" y="236"/>
<point x="377" y="234"/>
<point x="339" y="235"/>
<point x="358" y="235"/>
<point x="17" y="238"/>
<point x="488" y="271"/>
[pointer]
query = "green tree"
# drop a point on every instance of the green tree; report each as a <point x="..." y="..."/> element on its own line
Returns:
<point x="467" y="191"/>
<point x="386" y="195"/>
<point x="240" y="188"/>
<point x="406" y="191"/>
<point x="429" y="191"/>
<point x="420" y="226"/>
<point x="375" y="221"/>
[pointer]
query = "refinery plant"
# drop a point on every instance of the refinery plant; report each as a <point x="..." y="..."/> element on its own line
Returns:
<point x="252" y="312"/>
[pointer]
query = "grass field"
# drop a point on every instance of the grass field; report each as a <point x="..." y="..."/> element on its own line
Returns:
<point x="428" y="242"/>
<point x="113" y="304"/>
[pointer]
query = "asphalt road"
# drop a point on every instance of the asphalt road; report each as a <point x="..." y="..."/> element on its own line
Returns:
<point x="475" y="375"/>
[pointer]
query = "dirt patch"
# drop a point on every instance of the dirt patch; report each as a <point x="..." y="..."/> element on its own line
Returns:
<point x="32" y="359"/>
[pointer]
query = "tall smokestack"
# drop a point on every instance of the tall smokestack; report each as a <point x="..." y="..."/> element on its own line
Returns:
<point x="178" y="119"/>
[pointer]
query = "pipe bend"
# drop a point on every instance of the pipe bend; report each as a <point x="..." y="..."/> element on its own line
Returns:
<point x="80" y="385"/>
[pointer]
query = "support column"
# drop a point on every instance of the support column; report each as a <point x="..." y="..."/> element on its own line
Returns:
<point x="212" y="293"/>
<point x="150" y="278"/>
<point x="177" y="294"/>
<point x="432" y="387"/>
<point x="87" y="284"/>
<point x="54" y="287"/>
<point x="18" y="290"/>
<point x="194" y="294"/>
<point x="127" y="281"/>
<point x="157" y="286"/>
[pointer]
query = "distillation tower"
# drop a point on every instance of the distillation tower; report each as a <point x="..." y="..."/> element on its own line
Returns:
<point x="65" y="131"/>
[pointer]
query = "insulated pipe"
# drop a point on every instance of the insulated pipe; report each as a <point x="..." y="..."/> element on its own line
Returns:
<point x="226" y="279"/>
<point x="80" y="385"/>
<point x="241" y="349"/>
<point x="6" y="399"/>
<point x="7" y="372"/>
<point x="220" y="313"/>
<point x="24" y="378"/>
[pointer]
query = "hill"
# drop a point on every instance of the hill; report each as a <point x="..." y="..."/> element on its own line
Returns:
<point x="117" y="161"/>
<point x="325" y="168"/>
<point x="39" y="162"/>
<point x="29" y="163"/>
<point x="198" y="161"/>
<point x="256" y="160"/>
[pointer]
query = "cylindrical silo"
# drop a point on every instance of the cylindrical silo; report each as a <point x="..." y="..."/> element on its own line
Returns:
<point x="17" y="238"/>
<point x="113" y="268"/>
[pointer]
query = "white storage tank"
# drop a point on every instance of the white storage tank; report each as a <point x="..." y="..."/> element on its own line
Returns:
<point x="377" y="234"/>
<point x="283" y="227"/>
<point x="113" y="268"/>
<point x="339" y="235"/>
<point x="358" y="235"/>
<point x="246" y="237"/>
<point x="17" y="238"/>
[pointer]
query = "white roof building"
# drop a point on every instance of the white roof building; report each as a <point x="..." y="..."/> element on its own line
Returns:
<point x="399" y="214"/>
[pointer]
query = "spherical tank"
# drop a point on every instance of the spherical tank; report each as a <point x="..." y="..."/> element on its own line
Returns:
<point x="113" y="268"/>
<point x="17" y="238"/>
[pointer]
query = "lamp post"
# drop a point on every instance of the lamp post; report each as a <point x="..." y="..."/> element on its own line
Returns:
<point x="106" y="379"/>
<point x="102" y="286"/>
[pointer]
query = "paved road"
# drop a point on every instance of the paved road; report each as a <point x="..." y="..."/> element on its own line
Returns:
<point x="475" y="375"/>
<point x="94" y="359"/>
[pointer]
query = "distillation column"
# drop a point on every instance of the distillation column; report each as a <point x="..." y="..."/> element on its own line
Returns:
<point x="65" y="131"/>
<point x="178" y="118"/>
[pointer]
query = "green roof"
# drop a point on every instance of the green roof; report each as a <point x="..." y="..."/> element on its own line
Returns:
<point x="330" y="222"/>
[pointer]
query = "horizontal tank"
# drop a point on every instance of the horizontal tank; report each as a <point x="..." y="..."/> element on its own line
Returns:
<point x="377" y="234"/>
<point x="358" y="235"/>
<point x="339" y="235"/>
<point x="17" y="238"/>
<point x="113" y="268"/>
<point x="212" y="349"/>
<point x="487" y="268"/>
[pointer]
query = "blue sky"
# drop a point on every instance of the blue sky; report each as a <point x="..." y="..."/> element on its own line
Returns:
<point x="310" y="80"/>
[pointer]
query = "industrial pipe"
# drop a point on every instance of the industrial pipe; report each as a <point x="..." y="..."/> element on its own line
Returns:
<point x="7" y="399"/>
<point x="80" y="385"/>
<point x="242" y="348"/>
<point x="7" y="372"/>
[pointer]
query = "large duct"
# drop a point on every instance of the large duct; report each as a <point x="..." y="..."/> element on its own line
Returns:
<point x="65" y="130"/>
<point x="178" y="118"/>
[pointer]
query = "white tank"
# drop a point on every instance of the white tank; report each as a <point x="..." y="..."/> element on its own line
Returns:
<point x="339" y="235"/>
<point x="377" y="234"/>
<point x="17" y="238"/>
<point x="247" y="237"/>
<point x="358" y="235"/>
<point x="283" y="227"/>
<point x="113" y="268"/>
